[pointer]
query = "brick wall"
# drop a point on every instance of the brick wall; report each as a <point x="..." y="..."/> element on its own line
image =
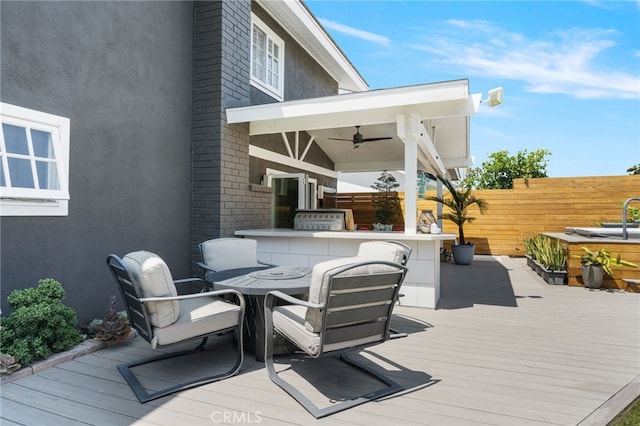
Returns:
<point x="220" y="168"/>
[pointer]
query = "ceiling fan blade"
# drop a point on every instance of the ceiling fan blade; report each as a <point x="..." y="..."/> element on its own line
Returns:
<point x="376" y="139"/>
<point x="359" y="139"/>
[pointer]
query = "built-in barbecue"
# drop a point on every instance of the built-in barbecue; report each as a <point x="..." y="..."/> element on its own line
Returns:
<point x="324" y="220"/>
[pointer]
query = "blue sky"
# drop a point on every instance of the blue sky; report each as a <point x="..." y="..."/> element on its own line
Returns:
<point x="570" y="70"/>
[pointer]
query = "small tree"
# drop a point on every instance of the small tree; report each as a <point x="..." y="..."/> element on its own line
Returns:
<point x="634" y="170"/>
<point x="386" y="203"/>
<point x="499" y="171"/>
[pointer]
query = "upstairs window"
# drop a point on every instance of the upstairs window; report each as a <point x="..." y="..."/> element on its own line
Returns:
<point x="34" y="156"/>
<point x="267" y="59"/>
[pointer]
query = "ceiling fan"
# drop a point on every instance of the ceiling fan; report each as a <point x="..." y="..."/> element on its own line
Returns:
<point x="358" y="138"/>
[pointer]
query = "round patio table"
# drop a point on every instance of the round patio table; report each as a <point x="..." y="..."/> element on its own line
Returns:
<point x="254" y="284"/>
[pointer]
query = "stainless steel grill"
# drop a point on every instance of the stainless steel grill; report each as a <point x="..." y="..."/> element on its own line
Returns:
<point x="322" y="220"/>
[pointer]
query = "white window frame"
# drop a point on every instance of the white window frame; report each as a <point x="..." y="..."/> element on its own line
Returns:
<point x="34" y="201"/>
<point x="272" y="37"/>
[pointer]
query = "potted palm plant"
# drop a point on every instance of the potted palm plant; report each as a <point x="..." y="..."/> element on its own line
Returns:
<point x="596" y="263"/>
<point x="459" y="201"/>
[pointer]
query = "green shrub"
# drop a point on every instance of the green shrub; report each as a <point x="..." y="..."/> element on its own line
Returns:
<point x="39" y="324"/>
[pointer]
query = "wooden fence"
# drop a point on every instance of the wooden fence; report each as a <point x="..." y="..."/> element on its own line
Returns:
<point x="531" y="207"/>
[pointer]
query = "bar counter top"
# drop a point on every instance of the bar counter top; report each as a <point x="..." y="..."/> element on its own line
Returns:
<point x="358" y="235"/>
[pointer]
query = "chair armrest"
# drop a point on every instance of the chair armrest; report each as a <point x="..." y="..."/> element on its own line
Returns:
<point x="238" y="295"/>
<point x="209" y="268"/>
<point x="270" y="297"/>
<point x="205" y="266"/>
<point x="188" y="281"/>
<point x="200" y="281"/>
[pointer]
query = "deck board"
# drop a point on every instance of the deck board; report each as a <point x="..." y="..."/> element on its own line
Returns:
<point x="504" y="348"/>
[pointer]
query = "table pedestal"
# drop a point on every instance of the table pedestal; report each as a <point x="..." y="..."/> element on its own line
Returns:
<point x="254" y="285"/>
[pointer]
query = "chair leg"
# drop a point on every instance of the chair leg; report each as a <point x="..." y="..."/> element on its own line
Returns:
<point x="391" y="388"/>
<point x="144" y="396"/>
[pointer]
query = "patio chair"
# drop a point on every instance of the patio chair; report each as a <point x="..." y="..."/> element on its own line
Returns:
<point x="227" y="254"/>
<point x="349" y="308"/>
<point x="393" y="251"/>
<point x="163" y="318"/>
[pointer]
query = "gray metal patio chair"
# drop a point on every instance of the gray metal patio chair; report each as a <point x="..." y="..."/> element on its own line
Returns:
<point x="391" y="250"/>
<point x="163" y="318"/>
<point x="226" y="254"/>
<point x="350" y="306"/>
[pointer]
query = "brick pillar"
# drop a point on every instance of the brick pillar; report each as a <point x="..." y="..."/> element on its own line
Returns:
<point x="220" y="158"/>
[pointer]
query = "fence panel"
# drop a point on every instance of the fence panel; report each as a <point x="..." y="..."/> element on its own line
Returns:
<point x="531" y="207"/>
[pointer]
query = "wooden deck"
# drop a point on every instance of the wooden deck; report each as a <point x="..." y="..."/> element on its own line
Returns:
<point x="504" y="348"/>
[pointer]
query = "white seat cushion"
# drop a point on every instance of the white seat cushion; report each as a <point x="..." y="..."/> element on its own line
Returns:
<point x="230" y="253"/>
<point x="199" y="316"/>
<point x="289" y="321"/>
<point x="154" y="279"/>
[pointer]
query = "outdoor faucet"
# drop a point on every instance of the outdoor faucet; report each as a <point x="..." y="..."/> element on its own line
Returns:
<point x="625" y="234"/>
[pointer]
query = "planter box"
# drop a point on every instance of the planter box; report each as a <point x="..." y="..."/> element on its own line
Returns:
<point x="554" y="277"/>
<point x="537" y="267"/>
<point x="530" y="262"/>
<point x="619" y="224"/>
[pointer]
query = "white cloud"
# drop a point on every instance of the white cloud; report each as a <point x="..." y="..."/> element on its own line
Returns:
<point x="354" y="32"/>
<point x="564" y="62"/>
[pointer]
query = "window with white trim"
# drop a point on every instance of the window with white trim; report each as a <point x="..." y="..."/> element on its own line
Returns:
<point x="267" y="59"/>
<point x="34" y="163"/>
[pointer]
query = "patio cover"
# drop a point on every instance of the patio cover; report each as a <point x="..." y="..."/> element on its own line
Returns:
<point x="428" y="125"/>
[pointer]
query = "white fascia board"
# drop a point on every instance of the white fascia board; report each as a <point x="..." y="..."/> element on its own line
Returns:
<point x="458" y="162"/>
<point x="380" y="106"/>
<point x="303" y="27"/>
<point x="265" y="154"/>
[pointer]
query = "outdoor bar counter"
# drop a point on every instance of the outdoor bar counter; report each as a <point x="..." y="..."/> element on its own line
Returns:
<point x="306" y="248"/>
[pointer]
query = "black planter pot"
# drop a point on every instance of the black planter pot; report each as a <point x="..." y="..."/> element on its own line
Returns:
<point x="463" y="253"/>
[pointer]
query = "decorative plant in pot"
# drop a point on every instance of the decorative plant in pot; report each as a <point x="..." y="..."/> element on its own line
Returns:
<point x="459" y="201"/>
<point x="386" y="202"/>
<point x="596" y="263"/>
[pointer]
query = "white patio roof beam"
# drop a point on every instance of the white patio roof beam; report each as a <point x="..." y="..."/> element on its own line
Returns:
<point x="435" y="100"/>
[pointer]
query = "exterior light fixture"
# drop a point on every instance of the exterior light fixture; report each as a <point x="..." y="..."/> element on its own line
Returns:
<point x="495" y="97"/>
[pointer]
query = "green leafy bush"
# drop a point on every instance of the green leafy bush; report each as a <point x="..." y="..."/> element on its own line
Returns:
<point x="39" y="324"/>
